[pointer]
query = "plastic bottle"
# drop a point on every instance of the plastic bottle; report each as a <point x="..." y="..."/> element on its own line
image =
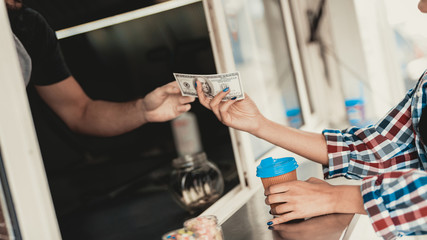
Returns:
<point x="186" y="134"/>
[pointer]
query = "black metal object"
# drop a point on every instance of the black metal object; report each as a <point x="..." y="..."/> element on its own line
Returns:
<point x="314" y="19"/>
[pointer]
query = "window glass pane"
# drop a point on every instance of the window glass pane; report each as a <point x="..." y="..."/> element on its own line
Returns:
<point x="118" y="187"/>
<point x="261" y="54"/>
<point x="276" y="61"/>
<point x="405" y="20"/>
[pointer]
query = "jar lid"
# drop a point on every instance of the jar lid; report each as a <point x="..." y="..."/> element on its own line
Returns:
<point x="189" y="159"/>
<point x="272" y="167"/>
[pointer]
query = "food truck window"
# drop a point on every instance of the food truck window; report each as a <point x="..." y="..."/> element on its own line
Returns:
<point x="261" y="54"/>
<point x="119" y="186"/>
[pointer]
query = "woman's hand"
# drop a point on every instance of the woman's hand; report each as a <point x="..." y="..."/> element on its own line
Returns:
<point x="300" y="199"/>
<point x="239" y="114"/>
<point x="165" y="103"/>
<point x="313" y="197"/>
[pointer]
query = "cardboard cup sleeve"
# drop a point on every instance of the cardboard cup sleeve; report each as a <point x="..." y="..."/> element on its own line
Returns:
<point x="287" y="177"/>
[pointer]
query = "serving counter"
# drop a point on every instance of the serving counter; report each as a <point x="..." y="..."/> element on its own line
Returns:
<point x="250" y="223"/>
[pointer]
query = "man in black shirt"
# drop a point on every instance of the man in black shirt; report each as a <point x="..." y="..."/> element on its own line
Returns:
<point x="58" y="88"/>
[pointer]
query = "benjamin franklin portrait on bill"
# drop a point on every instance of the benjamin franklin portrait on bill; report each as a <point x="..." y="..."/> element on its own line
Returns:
<point x="207" y="86"/>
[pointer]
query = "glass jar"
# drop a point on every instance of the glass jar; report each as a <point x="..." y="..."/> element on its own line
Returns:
<point x="199" y="228"/>
<point x="205" y="227"/>
<point x="179" y="234"/>
<point x="195" y="182"/>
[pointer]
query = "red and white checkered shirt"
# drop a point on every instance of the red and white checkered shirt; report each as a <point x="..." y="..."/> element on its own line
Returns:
<point x="391" y="159"/>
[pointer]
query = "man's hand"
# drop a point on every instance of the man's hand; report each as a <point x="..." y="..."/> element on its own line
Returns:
<point x="313" y="197"/>
<point x="165" y="103"/>
<point x="105" y="118"/>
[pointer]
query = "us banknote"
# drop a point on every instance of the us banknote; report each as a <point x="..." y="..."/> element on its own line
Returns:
<point x="212" y="84"/>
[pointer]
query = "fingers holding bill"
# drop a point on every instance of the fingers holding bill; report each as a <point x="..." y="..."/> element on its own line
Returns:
<point x="218" y="98"/>
<point x="216" y="102"/>
<point x="186" y="99"/>
<point x="203" y="99"/>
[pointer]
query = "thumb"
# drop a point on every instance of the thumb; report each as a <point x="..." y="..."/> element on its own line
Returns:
<point x="171" y="88"/>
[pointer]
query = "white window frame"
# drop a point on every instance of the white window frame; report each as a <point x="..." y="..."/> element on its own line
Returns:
<point x="19" y="147"/>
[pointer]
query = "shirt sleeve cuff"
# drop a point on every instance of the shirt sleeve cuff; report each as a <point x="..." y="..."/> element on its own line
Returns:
<point x="338" y="154"/>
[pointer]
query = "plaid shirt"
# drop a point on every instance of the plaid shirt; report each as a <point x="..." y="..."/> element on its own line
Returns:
<point x="391" y="159"/>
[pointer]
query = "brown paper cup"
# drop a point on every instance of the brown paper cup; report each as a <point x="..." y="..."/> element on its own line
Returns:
<point x="290" y="176"/>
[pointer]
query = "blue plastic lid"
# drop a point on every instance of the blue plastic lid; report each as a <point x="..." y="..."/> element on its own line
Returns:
<point x="272" y="167"/>
<point x="353" y="102"/>
<point x="293" y="112"/>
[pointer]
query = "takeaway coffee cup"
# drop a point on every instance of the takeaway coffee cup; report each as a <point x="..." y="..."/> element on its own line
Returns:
<point x="277" y="170"/>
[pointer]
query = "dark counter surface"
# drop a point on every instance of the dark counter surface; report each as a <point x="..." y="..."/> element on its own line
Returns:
<point x="250" y="223"/>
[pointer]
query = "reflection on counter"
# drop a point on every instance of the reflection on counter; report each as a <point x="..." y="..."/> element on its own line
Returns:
<point x="327" y="227"/>
<point x="254" y="215"/>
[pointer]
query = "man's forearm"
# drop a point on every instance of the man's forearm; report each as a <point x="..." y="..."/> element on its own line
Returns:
<point x="102" y="118"/>
<point x="306" y="144"/>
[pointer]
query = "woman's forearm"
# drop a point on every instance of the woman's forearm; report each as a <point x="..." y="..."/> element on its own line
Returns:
<point x="348" y="199"/>
<point x="306" y="144"/>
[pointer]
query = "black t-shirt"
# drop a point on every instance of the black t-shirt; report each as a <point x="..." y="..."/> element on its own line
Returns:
<point x="38" y="38"/>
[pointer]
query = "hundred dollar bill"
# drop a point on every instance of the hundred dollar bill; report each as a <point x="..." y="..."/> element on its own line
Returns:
<point x="212" y="84"/>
